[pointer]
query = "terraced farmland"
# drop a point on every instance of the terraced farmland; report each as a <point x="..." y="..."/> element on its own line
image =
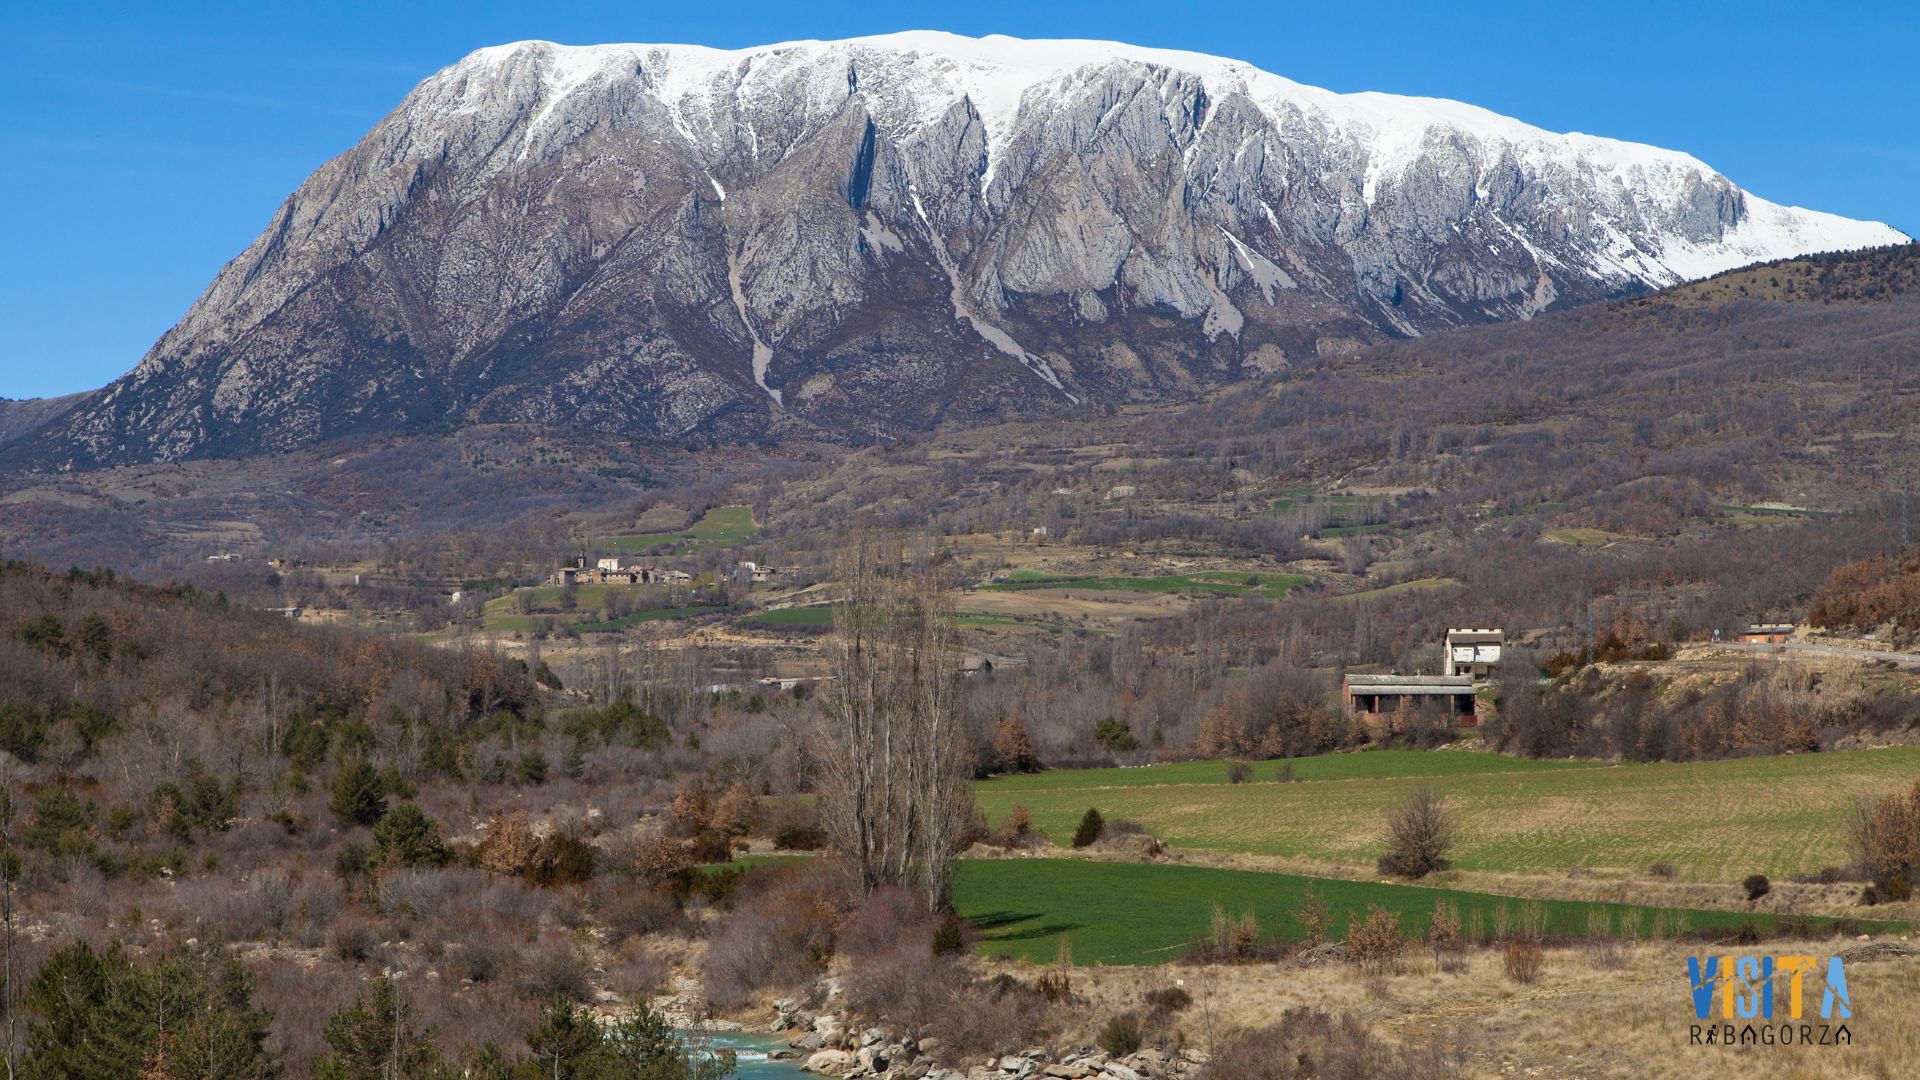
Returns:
<point x="1714" y="821"/>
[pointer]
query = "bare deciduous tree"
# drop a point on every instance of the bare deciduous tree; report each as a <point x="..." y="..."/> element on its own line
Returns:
<point x="1420" y="831"/>
<point x="895" y="762"/>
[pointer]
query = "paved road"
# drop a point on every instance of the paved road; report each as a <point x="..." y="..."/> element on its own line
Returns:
<point x="1904" y="659"/>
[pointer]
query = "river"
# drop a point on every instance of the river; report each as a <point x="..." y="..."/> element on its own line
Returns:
<point x="751" y="1052"/>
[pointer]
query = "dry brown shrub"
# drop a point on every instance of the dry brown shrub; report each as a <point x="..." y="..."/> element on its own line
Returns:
<point x="1310" y="1044"/>
<point x="1001" y="1015"/>
<point x="735" y="812"/>
<point x="1016" y="830"/>
<point x="630" y="911"/>
<point x="691" y="809"/>
<point x="1231" y="939"/>
<point x="1313" y="916"/>
<point x="353" y="938"/>
<point x="890" y="920"/>
<point x="1376" y="942"/>
<point x="710" y="846"/>
<point x="480" y="958"/>
<point x="1523" y="958"/>
<point x="509" y="847"/>
<point x="1239" y="937"/>
<point x="472" y="1016"/>
<point x="1886" y="839"/>
<point x="552" y="967"/>
<point x="1013" y="747"/>
<point x="1444" y="937"/>
<point x="909" y="986"/>
<point x="661" y="858"/>
<point x="1608" y="952"/>
<point x="780" y="939"/>
<point x="637" y="973"/>
<point x="1122" y="1035"/>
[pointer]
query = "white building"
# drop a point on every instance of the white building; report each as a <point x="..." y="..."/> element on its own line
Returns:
<point x="1473" y="652"/>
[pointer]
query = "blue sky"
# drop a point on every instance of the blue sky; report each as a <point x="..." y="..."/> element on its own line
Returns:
<point x="146" y="144"/>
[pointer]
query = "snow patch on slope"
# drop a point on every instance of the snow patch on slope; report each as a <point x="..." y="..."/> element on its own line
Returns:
<point x="910" y="80"/>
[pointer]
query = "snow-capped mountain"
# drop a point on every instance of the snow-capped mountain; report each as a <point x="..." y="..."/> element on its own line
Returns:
<point x="879" y="234"/>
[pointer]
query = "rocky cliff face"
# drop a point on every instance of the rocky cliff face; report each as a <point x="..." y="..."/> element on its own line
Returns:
<point x="878" y="235"/>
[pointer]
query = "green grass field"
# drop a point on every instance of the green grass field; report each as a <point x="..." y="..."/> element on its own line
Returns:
<point x="821" y="615"/>
<point x="1418" y="585"/>
<point x="1582" y="536"/>
<point x="1774" y="511"/>
<point x="1224" y="582"/>
<point x="720" y="525"/>
<point x="547" y="597"/>
<point x="1147" y="913"/>
<point x="1344" y="513"/>
<point x="988" y="618"/>
<point x="1714" y="821"/>
<point x="502" y="614"/>
<point x="1142" y="913"/>
<point x="1364" y="765"/>
<point x="514" y="624"/>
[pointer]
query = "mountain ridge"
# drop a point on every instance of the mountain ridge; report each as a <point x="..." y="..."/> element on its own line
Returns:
<point x="873" y="236"/>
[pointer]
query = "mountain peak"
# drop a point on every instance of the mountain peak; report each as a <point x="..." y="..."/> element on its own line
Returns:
<point x="995" y="74"/>
<point x="875" y="235"/>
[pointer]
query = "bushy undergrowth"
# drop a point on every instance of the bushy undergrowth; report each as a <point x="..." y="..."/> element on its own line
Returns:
<point x="1312" y="1044"/>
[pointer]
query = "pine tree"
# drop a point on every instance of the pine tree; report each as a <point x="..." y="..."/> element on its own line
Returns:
<point x="359" y="798"/>
<point x="1091" y="826"/>
<point x="374" y="1038"/>
<point x="406" y="836"/>
<point x="567" y="1044"/>
<point x="99" y="1015"/>
<point x="641" y="1045"/>
<point x="96" y="638"/>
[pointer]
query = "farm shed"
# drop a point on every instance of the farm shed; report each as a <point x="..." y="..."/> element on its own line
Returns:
<point x="1369" y="696"/>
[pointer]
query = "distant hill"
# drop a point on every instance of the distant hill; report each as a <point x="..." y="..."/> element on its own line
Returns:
<point x="1833" y="277"/>
<point x="19" y="419"/>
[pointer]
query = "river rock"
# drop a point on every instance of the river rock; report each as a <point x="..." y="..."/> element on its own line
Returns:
<point x="831" y="1063"/>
